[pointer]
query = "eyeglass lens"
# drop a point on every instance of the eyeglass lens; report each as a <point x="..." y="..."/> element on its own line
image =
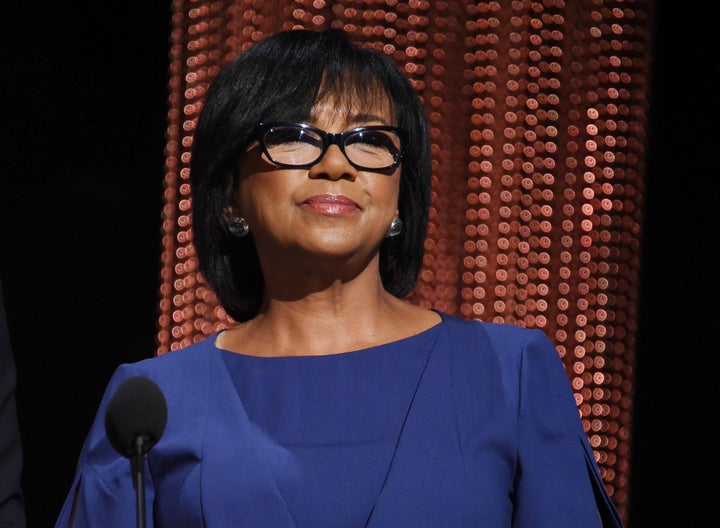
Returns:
<point x="366" y="148"/>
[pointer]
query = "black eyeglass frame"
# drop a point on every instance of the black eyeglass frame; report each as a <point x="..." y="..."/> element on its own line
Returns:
<point x="328" y="139"/>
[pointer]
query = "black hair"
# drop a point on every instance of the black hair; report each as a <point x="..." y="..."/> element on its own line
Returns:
<point x="280" y="78"/>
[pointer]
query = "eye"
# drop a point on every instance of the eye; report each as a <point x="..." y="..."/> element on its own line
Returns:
<point x="285" y="135"/>
<point x="292" y="145"/>
<point x="375" y="140"/>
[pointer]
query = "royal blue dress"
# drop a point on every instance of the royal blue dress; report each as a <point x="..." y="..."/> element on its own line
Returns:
<point x="466" y="424"/>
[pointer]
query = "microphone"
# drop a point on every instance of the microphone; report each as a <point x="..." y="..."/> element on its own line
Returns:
<point x="134" y="422"/>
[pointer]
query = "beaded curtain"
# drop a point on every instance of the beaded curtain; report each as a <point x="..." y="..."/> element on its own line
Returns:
<point x="538" y="114"/>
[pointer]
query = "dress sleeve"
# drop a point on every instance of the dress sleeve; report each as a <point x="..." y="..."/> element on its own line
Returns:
<point x="558" y="483"/>
<point x="102" y="491"/>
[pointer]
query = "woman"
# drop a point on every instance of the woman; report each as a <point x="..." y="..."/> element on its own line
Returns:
<point x="334" y="402"/>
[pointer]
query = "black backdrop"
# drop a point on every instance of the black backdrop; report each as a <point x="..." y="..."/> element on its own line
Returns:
<point x="84" y="101"/>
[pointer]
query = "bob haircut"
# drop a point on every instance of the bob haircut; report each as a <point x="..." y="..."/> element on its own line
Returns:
<point x="281" y="78"/>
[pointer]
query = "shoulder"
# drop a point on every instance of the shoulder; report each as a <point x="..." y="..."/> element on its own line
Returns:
<point x="524" y="359"/>
<point x="186" y="378"/>
<point x="513" y="353"/>
<point x="177" y="370"/>
<point x="500" y="338"/>
<point x="188" y="356"/>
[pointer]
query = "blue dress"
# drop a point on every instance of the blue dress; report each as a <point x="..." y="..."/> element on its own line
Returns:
<point x="466" y="424"/>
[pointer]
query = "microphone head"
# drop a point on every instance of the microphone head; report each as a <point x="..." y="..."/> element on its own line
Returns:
<point x="138" y="408"/>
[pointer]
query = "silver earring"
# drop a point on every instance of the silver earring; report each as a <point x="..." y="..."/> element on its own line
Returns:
<point x="395" y="227"/>
<point x="238" y="226"/>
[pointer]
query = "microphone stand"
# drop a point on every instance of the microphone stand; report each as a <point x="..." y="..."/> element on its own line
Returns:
<point x="139" y="479"/>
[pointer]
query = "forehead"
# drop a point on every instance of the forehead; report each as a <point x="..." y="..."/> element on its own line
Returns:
<point x="352" y="102"/>
<point x="351" y="115"/>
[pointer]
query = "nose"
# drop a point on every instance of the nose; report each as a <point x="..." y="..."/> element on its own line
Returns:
<point x="333" y="165"/>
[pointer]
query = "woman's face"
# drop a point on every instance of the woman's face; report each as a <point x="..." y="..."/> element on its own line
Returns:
<point x="330" y="209"/>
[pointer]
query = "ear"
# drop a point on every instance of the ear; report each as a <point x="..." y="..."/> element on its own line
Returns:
<point x="229" y="212"/>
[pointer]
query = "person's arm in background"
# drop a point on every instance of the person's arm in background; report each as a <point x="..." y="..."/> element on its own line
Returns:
<point x="12" y="503"/>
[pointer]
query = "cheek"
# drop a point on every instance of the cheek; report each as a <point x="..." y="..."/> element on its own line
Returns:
<point x="264" y="194"/>
<point x="243" y="197"/>
<point x="257" y="181"/>
<point x="251" y="198"/>
<point x="388" y="189"/>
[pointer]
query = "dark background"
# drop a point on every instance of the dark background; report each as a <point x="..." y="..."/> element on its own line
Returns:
<point x="84" y="103"/>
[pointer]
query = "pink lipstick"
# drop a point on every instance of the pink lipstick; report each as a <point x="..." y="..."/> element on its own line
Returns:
<point x="331" y="204"/>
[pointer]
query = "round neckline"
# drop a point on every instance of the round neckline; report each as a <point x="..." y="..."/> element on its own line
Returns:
<point x="350" y="353"/>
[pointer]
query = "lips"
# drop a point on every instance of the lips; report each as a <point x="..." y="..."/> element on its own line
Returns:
<point x="331" y="204"/>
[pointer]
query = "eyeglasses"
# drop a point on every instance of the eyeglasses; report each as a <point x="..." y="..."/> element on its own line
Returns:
<point x="297" y="145"/>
